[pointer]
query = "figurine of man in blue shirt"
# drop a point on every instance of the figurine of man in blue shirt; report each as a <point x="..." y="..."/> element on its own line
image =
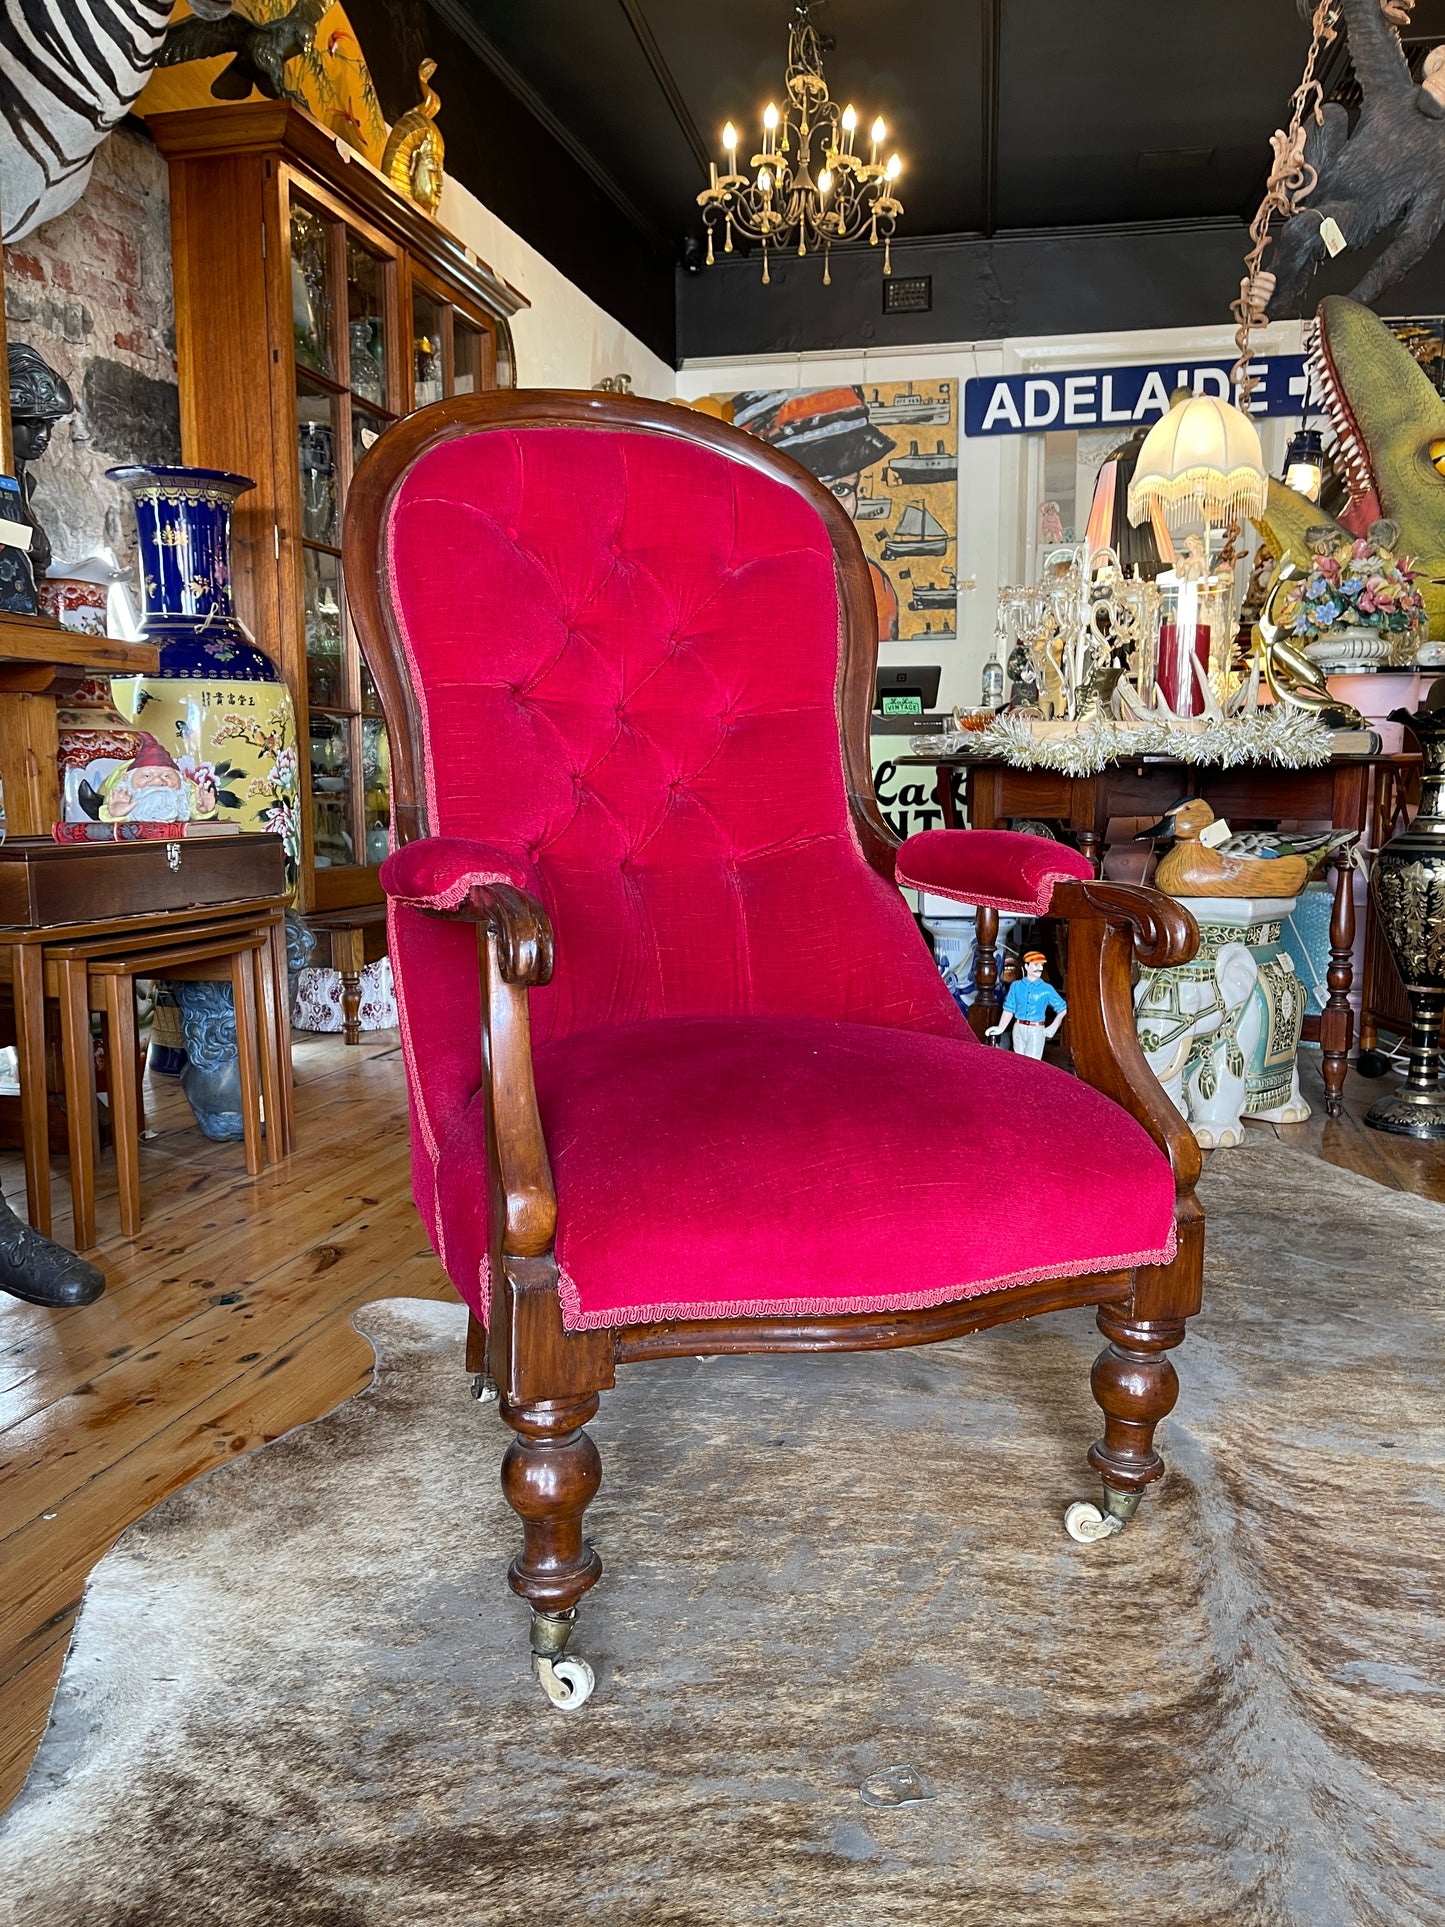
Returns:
<point x="1027" y="1007"/>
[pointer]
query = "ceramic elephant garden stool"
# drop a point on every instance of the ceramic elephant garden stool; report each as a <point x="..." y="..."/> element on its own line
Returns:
<point x="1222" y="1032"/>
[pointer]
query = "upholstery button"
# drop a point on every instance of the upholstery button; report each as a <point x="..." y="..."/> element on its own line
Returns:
<point x="511" y="535"/>
<point x="616" y="548"/>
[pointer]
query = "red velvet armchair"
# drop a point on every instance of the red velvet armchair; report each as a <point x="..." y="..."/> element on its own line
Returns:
<point x="626" y="657"/>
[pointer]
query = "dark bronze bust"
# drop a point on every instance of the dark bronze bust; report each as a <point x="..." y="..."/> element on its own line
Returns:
<point x="39" y="398"/>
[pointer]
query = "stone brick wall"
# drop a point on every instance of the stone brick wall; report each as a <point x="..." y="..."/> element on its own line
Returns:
<point x="91" y="292"/>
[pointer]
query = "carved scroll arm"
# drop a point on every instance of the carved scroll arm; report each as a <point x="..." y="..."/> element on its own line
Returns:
<point x="1111" y="926"/>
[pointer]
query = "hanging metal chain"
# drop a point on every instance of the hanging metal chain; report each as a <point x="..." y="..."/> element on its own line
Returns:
<point x="1291" y="182"/>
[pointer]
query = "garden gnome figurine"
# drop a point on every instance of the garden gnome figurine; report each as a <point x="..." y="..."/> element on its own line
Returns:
<point x="1027" y="1007"/>
<point x="39" y="398"/>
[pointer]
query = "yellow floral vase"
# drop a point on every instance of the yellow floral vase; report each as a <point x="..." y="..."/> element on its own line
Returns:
<point x="230" y="724"/>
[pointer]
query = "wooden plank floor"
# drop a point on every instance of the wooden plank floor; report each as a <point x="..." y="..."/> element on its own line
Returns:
<point x="229" y="1320"/>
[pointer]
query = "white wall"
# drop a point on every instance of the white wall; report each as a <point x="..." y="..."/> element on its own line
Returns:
<point x="564" y="340"/>
<point x="999" y="478"/>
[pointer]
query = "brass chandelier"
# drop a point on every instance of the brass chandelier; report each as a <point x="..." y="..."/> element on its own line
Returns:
<point x="783" y="198"/>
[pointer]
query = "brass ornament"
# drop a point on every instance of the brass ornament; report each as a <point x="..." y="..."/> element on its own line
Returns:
<point x="415" y="150"/>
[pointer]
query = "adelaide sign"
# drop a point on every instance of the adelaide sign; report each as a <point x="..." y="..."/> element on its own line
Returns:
<point x="1109" y="397"/>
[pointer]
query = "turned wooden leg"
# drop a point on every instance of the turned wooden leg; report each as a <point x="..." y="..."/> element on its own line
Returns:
<point x="348" y="960"/>
<point x="1135" y="1385"/>
<point x="985" y="1007"/>
<point x="550" y="1476"/>
<point x="1337" y="1019"/>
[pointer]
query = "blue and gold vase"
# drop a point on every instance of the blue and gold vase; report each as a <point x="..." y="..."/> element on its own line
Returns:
<point x="183" y="525"/>
<point x="217" y="702"/>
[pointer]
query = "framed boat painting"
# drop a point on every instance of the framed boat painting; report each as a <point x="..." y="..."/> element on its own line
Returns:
<point x="889" y="452"/>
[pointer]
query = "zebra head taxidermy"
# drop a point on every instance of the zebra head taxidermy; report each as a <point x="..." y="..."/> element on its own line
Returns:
<point x="71" y="69"/>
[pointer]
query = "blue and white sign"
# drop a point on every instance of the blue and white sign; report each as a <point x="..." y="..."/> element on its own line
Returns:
<point x="1116" y="397"/>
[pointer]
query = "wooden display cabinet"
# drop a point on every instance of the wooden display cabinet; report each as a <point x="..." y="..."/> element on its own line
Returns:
<point x="314" y="307"/>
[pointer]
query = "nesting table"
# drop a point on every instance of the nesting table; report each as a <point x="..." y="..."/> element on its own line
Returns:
<point x="56" y="897"/>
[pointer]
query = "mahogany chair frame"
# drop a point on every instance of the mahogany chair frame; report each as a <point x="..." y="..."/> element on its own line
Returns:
<point x="550" y="1379"/>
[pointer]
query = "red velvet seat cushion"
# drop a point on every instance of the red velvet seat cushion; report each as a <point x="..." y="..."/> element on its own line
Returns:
<point x="716" y="1166"/>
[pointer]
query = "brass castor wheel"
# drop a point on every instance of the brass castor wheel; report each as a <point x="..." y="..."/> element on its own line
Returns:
<point x="566" y="1681"/>
<point x="1088" y="1523"/>
<point x="484" y="1388"/>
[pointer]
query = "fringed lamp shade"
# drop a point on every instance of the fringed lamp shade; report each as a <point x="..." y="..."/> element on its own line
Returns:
<point x="1201" y="464"/>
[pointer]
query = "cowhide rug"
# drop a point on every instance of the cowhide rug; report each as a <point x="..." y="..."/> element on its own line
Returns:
<point x="299" y="1690"/>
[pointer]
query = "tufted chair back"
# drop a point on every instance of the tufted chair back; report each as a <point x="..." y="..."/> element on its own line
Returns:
<point x="623" y="649"/>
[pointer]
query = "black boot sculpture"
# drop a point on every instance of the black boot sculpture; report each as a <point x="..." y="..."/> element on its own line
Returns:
<point x="40" y="1271"/>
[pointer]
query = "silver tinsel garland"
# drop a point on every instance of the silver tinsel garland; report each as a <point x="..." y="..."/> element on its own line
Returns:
<point x="1281" y="735"/>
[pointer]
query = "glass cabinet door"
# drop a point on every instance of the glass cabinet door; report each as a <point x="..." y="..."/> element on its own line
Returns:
<point x="467" y="344"/>
<point x="450" y="350"/>
<point x="343" y="296"/>
<point x="428" y="347"/>
<point x="312" y="294"/>
<point x="374" y="337"/>
<point x="366" y="278"/>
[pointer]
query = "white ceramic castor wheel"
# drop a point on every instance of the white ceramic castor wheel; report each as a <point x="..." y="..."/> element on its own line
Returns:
<point x="1086" y="1523"/>
<point x="484" y="1388"/>
<point x="568" y="1683"/>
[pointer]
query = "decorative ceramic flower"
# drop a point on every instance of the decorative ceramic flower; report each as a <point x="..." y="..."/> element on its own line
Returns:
<point x="1356" y="583"/>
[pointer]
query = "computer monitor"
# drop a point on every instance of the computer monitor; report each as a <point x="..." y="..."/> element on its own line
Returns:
<point x="911" y="691"/>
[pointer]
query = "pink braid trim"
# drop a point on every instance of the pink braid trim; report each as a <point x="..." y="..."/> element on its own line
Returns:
<point x="457" y="891"/>
<point x="575" y="1318"/>
<point x="1035" y="906"/>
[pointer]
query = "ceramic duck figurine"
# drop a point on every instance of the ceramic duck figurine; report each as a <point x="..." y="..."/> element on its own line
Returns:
<point x="1193" y="869"/>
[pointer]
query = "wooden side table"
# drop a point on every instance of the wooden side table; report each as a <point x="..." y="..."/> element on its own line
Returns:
<point x="1343" y="792"/>
<point x="358" y="937"/>
<point x="58" y="893"/>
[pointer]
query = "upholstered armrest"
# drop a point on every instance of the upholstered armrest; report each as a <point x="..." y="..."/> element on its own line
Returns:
<point x="456" y="877"/>
<point x="999" y="869"/>
<point x="474" y="883"/>
<point x="440" y="872"/>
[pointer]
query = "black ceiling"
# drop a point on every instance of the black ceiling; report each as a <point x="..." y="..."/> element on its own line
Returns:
<point x="1011" y="114"/>
<point x="1071" y="96"/>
